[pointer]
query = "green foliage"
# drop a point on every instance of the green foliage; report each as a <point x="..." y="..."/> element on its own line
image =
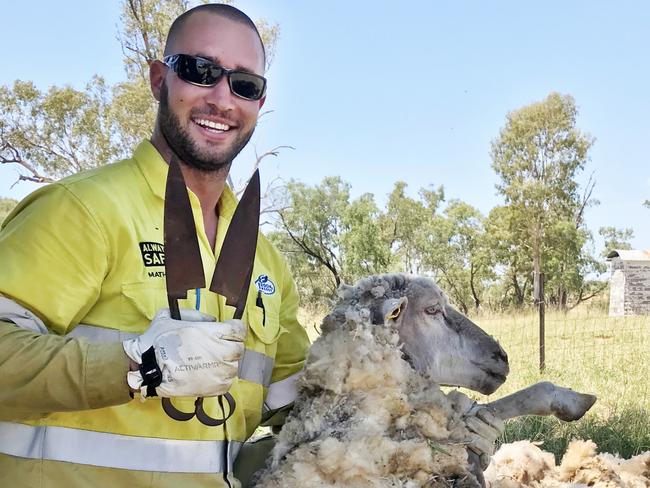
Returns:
<point x="363" y="253"/>
<point x="405" y="225"/>
<point x="465" y="263"/>
<point x="58" y="132"/>
<point x="479" y="261"/>
<point x="538" y="157"/>
<point x="504" y="233"/>
<point x="615" y="239"/>
<point x="133" y="111"/>
<point x="330" y="239"/>
<point x="6" y="206"/>
<point x="568" y="262"/>
<point x="538" y="154"/>
<point x="144" y="26"/>
<point x="327" y="238"/>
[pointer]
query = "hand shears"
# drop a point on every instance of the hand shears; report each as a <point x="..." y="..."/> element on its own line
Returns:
<point x="184" y="268"/>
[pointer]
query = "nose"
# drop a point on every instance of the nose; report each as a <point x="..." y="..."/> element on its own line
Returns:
<point x="220" y="96"/>
<point x="500" y="355"/>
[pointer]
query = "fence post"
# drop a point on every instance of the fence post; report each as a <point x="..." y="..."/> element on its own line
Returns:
<point x="539" y="298"/>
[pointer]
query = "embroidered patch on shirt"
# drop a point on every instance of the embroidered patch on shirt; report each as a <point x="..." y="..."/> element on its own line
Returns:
<point x="153" y="253"/>
<point x="265" y="285"/>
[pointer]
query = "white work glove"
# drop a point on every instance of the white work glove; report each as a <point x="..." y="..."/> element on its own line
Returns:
<point x="197" y="356"/>
<point x="484" y="427"/>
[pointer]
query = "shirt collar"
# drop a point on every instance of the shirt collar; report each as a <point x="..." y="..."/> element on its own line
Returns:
<point x="154" y="168"/>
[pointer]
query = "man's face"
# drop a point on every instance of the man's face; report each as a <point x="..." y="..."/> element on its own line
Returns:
<point x="208" y="126"/>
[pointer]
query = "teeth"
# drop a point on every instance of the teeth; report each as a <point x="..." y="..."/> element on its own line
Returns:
<point x="212" y="125"/>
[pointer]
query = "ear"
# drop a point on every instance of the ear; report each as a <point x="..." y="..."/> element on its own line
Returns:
<point x="157" y="73"/>
<point x="261" y="101"/>
<point x="393" y="308"/>
<point x="345" y="291"/>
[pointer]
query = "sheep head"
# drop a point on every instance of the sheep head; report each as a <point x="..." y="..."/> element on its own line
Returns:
<point x="437" y="340"/>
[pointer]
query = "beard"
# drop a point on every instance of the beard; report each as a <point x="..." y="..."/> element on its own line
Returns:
<point x="180" y="142"/>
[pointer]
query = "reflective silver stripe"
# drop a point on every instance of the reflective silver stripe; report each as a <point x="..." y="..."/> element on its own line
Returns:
<point x="113" y="450"/>
<point x="100" y="334"/>
<point x="256" y="367"/>
<point x="10" y="311"/>
<point x="281" y="393"/>
<point x="233" y="452"/>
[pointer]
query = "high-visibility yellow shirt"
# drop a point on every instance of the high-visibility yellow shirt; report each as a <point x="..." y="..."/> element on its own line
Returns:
<point x="89" y="250"/>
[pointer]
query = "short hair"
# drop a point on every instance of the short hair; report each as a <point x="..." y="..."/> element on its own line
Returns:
<point x="219" y="9"/>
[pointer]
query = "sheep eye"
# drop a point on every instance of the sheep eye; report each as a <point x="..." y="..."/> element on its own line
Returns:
<point x="431" y="310"/>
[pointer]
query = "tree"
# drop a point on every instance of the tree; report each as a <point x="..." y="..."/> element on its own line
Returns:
<point x="55" y="133"/>
<point x="468" y="267"/>
<point x="327" y="238"/>
<point x="6" y="206"/>
<point x="61" y="131"/>
<point x="505" y="231"/>
<point x="364" y="251"/>
<point x="569" y="263"/>
<point x="448" y="246"/>
<point x="538" y="157"/>
<point x="404" y="225"/>
<point x="615" y="239"/>
<point x="452" y="250"/>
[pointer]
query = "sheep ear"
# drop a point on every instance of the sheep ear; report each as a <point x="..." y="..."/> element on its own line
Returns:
<point x="393" y="308"/>
<point x="345" y="291"/>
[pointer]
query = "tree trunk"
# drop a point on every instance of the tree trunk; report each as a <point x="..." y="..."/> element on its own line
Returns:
<point x="519" y="294"/>
<point x="477" y="300"/>
<point x="563" y="296"/>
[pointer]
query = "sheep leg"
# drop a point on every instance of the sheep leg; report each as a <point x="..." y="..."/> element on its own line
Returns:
<point x="543" y="398"/>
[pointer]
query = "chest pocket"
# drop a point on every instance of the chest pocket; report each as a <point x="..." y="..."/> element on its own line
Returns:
<point x="265" y="324"/>
<point x="140" y="302"/>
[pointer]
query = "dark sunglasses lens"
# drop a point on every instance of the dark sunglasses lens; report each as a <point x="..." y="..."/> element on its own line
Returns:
<point x="247" y="86"/>
<point x="199" y="71"/>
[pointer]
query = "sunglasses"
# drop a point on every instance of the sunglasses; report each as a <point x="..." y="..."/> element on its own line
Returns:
<point x="203" y="72"/>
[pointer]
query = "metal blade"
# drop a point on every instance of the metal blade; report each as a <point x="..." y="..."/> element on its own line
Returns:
<point x="234" y="269"/>
<point x="183" y="265"/>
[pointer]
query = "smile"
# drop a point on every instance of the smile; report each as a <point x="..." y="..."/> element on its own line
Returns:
<point x="209" y="124"/>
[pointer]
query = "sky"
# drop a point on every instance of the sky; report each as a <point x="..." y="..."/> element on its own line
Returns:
<point x="376" y="93"/>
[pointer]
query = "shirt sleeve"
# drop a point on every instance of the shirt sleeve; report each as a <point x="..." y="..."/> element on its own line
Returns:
<point x="50" y="373"/>
<point x="53" y="259"/>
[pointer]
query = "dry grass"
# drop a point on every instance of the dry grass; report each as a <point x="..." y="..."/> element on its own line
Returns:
<point x="590" y="352"/>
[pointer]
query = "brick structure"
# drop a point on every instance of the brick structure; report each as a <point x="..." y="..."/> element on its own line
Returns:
<point x="630" y="283"/>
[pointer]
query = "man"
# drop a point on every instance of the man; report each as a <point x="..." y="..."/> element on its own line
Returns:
<point x="88" y="250"/>
<point x="82" y="295"/>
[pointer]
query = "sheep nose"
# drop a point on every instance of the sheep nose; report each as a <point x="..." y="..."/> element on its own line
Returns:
<point x="500" y="355"/>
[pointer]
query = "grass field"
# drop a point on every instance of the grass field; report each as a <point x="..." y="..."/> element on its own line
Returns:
<point x="590" y="352"/>
<point x="587" y="351"/>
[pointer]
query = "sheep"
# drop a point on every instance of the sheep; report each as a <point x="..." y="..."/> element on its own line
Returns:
<point x="369" y="410"/>
<point x="523" y="464"/>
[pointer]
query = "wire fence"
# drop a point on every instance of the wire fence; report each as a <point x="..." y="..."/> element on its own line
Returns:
<point x="586" y="351"/>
